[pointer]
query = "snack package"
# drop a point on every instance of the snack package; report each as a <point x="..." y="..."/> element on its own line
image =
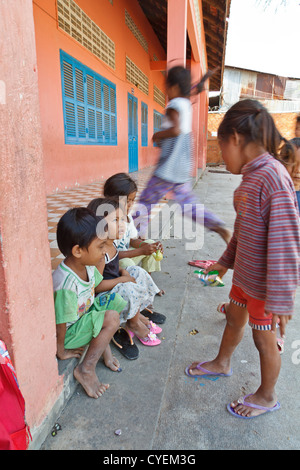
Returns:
<point x="210" y="279"/>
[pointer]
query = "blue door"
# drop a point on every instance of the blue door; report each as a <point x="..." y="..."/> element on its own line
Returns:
<point x="133" y="159"/>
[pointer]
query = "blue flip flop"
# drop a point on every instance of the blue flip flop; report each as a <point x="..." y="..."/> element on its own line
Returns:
<point x="243" y="401"/>
<point x="206" y="372"/>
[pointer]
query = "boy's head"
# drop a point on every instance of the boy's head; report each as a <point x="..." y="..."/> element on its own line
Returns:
<point x="77" y="233"/>
<point x="297" y="130"/>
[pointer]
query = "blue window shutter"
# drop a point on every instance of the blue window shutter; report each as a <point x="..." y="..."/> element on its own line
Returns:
<point x="89" y="105"/>
<point x="157" y="120"/>
<point x="144" y="124"/>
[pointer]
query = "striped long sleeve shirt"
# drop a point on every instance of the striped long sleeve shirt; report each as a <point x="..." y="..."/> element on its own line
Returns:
<point x="264" y="251"/>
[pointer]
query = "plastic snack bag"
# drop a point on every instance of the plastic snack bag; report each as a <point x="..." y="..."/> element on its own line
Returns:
<point x="210" y="279"/>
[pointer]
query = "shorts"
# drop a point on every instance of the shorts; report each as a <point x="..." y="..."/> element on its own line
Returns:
<point x="90" y="324"/>
<point x="255" y="307"/>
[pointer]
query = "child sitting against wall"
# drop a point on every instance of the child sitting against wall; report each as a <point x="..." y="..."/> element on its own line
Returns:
<point x="133" y="251"/>
<point x="134" y="284"/>
<point x="80" y="318"/>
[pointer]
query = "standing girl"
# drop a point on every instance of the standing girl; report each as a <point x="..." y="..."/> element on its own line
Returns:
<point x="173" y="171"/>
<point x="263" y="251"/>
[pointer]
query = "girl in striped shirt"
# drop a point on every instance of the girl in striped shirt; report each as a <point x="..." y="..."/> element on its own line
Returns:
<point x="264" y="251"/>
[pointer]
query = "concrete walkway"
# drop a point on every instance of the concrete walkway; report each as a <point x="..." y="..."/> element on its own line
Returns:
<point x="154" y="404"/>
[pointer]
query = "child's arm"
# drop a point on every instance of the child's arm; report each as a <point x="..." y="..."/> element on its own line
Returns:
<point x="109" y="284"/>
<point x="172" y="131"/>
<point x="61" y="352"/>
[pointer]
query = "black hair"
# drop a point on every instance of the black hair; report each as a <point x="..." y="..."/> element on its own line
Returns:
<point x="288" y="154"/>
<point x="102" y="207"/>
<point x="251" y="119"/>
<point x="120" y="184"/>
<point x="76" y="227"/>
<point x="109" y="206"/>
<point x="181" y="76"/>
<point x="298" y="119"/>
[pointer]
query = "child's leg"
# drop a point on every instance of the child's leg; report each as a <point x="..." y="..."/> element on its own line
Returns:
<point x="85" y="372"/>
<point x="151" y="195"/>
<point x="270" y="363"/>
<point x="236" y="319"/>
<point x="185" y="197"/>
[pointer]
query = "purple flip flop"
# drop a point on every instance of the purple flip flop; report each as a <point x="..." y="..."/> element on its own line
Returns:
<point x="243" y="401"/>
<point x="206" y="372"/>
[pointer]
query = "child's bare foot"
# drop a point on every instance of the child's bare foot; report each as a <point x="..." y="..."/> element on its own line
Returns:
<point x="90" y="382"/>
<point x="161" y="293"/>
<point x="111" y="361"/>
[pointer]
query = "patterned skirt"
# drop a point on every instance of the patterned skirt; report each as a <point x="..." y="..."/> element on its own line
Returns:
<point x="138" y="295"/>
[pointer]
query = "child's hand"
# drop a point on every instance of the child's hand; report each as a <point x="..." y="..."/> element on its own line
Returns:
<point x="68" y="353"/>
<point x="159" y="246"/>
<point x="148" y="249"/>
<point x="217" y="267"/>
<point x="283" y="320"/>
<point x="125" y="277"/>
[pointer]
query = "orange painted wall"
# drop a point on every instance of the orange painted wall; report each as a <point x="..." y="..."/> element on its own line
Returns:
<point x="69" y="165"/>
<point x="27" y="319"/>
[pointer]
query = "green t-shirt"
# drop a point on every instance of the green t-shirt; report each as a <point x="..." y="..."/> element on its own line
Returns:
<point x="73" y="297"/>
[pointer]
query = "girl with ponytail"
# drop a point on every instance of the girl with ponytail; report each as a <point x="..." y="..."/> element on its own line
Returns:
<point x="264" y="251"/>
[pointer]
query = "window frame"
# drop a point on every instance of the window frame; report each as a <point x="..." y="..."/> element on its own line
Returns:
<point x="89" y="104"/>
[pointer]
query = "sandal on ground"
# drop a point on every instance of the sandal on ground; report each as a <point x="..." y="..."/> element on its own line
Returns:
<point x="221" y="308"/>
<point x="243" y="401"/>
<point x="201" y="263"/>
<point x="123" y="342"/>
<point x="154" y="328"/>
<point x="205" y="372"/>
<point x="156" y="317"/>
<point x="150" y="340"/>
<point x="280" y="345"/>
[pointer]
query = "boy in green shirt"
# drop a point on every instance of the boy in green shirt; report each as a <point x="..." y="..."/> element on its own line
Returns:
<point x="80" y="318"/>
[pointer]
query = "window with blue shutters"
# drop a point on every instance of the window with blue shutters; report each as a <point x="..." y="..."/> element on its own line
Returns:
<point x="89" y="104"/>
<point x="144" y="123"/>
<point x="157" y="120"/>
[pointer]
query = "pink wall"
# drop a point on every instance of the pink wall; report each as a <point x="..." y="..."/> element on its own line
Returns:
<point x="27" y="319"/>
<point x="68" y="165"/>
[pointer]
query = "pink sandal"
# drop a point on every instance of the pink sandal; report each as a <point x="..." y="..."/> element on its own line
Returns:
<point x="222" y="308"/>
<point x="154" y="328"/>
<point x="201" y="263"/>
<point x="150" y="340"/>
